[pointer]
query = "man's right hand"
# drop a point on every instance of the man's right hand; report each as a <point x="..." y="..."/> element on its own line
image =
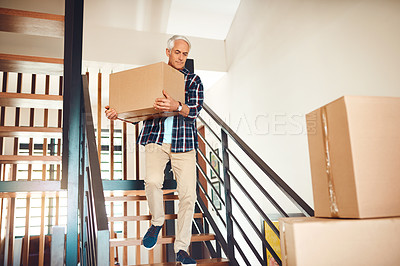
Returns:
<point x="111" y="113"/>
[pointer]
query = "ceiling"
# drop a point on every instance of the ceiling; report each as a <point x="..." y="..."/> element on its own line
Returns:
<point x="209" y="19"/>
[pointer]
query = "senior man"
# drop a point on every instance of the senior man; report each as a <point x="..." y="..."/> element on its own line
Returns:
<point x="172" y="139"/>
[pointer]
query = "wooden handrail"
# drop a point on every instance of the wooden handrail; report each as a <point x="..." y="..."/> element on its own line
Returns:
<point x="31" y="14"/>
<point x="29" y="58"/>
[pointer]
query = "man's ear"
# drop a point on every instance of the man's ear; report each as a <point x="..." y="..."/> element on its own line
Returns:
<point x="167" y="52"/>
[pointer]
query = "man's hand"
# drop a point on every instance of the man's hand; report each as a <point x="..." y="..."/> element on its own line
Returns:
<point x="167" y="104"/>
<point x="111" y="113"/>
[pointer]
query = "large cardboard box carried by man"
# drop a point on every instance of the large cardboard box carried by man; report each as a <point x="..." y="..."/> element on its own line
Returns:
<point x="354" y="145"/>
<point x="308" y="241"/>
<point x="133" y="92"/>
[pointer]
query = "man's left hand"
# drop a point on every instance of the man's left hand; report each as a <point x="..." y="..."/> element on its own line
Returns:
<point x="167" y="104"/>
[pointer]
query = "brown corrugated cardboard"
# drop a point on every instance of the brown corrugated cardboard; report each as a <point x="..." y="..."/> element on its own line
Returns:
<point x="133" y="92"/>
<point x="357" y="242"/>
<point x="358" y="155"/>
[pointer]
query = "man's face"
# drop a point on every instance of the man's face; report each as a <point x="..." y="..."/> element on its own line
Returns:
<point x="178" y="55"/>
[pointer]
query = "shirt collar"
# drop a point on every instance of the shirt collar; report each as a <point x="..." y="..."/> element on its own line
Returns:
<point x="185" y="71"/>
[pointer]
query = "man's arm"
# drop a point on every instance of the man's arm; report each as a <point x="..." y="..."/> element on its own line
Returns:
<point x="112" y="115"/>
<point x="195" y="99"/>
<point x="168" y="104"/>
<point x="191" y="109"/>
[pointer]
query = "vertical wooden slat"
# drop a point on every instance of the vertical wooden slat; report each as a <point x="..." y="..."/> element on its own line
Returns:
<point x="41" y="237"/>
<point x="2" y="171"/>
<point x="137" y="176"/>
<point x="60" y="92"/>
<point x="25" y="254"/>
<point x="44" y="173"/>
<point x="2" y="116"/>
<point x="125" y="177"/>
<point x="111" y="149"/>
<point x="10" y="230"/>
<point x="26" y="243"/>
<point x="11" y="205"/>
<point x="99" y="115"/>
<point x="3" y="226"/>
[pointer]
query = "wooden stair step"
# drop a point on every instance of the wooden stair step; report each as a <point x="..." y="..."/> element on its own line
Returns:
<point x="19" y="159"/>
<point x="31" y="64"/>
<point x="147" y="217"/>
<point x="215" y="261"/>
<point x="12" y="99"/>
<point x="139" y="192"/>
<point x="120" y="242"/>
<point x="32" y="23"/>
<point x="138" y="198"/>
<point x="45" y="132"/>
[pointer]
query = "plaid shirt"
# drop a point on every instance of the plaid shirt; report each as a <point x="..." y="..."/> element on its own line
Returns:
<point x="184" y="129"/>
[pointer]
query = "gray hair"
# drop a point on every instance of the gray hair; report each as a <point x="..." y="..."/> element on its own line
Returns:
<point x="171" y="41"/>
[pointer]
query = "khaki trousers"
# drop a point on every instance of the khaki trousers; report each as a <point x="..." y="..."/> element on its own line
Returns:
<point x="184" y="168"/>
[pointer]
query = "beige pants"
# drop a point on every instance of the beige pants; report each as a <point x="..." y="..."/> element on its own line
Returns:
<point x="184" y="168"/>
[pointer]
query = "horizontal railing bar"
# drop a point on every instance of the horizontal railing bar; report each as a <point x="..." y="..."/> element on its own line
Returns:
<point x="235" y="243"/>
<point x="299" y="202"/>
<point x="255" y="252"/>
<point x="209" y="181"/>
<point x="209" y="164"/>
<point x="249" y="220"/>
<point x="258" y="208"/>
<point x="123" y="184"/>
<point x="30" y="186"/>
<point x="259" y="186"/>
<point x="208" y="198"/>
<point x="209" y="128"/>
<point x="209" y="246"/>
<point x="218" y="235"/>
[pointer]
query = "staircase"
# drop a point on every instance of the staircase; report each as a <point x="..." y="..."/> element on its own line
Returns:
<point x="235" y="187"/>
<point x="16" y="156"/>
<point x="169" y="195"/>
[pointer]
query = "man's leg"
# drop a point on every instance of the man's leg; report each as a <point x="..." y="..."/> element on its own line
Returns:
<point x="156" y="158"/>
<point x="184" y="167"/>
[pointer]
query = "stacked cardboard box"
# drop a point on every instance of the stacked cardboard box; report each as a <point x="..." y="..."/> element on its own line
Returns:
<point x="133" y="92"/>
<point x="354" y="145"/>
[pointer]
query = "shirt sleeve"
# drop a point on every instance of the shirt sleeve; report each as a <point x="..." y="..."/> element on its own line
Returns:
<point x="195" y="99"/>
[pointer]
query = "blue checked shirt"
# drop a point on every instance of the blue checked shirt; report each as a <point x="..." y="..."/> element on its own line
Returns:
<point x="184" y="129"/>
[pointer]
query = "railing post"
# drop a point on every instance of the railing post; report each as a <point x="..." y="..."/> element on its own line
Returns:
<point x="71" y="127"/>
<point x="228" y="200"/>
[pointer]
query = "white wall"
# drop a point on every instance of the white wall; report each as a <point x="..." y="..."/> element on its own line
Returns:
<point x="287" y="58"/>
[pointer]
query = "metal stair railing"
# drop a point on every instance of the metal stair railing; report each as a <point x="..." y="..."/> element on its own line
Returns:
<point x="224" y="226"/>
<point x="94" y="232"/>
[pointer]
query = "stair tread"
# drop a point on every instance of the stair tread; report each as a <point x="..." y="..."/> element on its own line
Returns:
<point x="32" y="23"/>
<point x="17" y="159"/>
<point x="13" y="131"/>
<point x="146" y="217"/>
<point x="31" y="64"/>
<point x="137" y="198"/>
<point x="119" y="242"/>
<point x="27" y="100"/>
<point x="214" y="261"/>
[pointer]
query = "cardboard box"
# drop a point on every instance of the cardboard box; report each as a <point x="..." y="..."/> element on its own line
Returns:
<point x="355" y="154"/>
<point x="321" y="241"/>
<point x="133" y="92"/>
